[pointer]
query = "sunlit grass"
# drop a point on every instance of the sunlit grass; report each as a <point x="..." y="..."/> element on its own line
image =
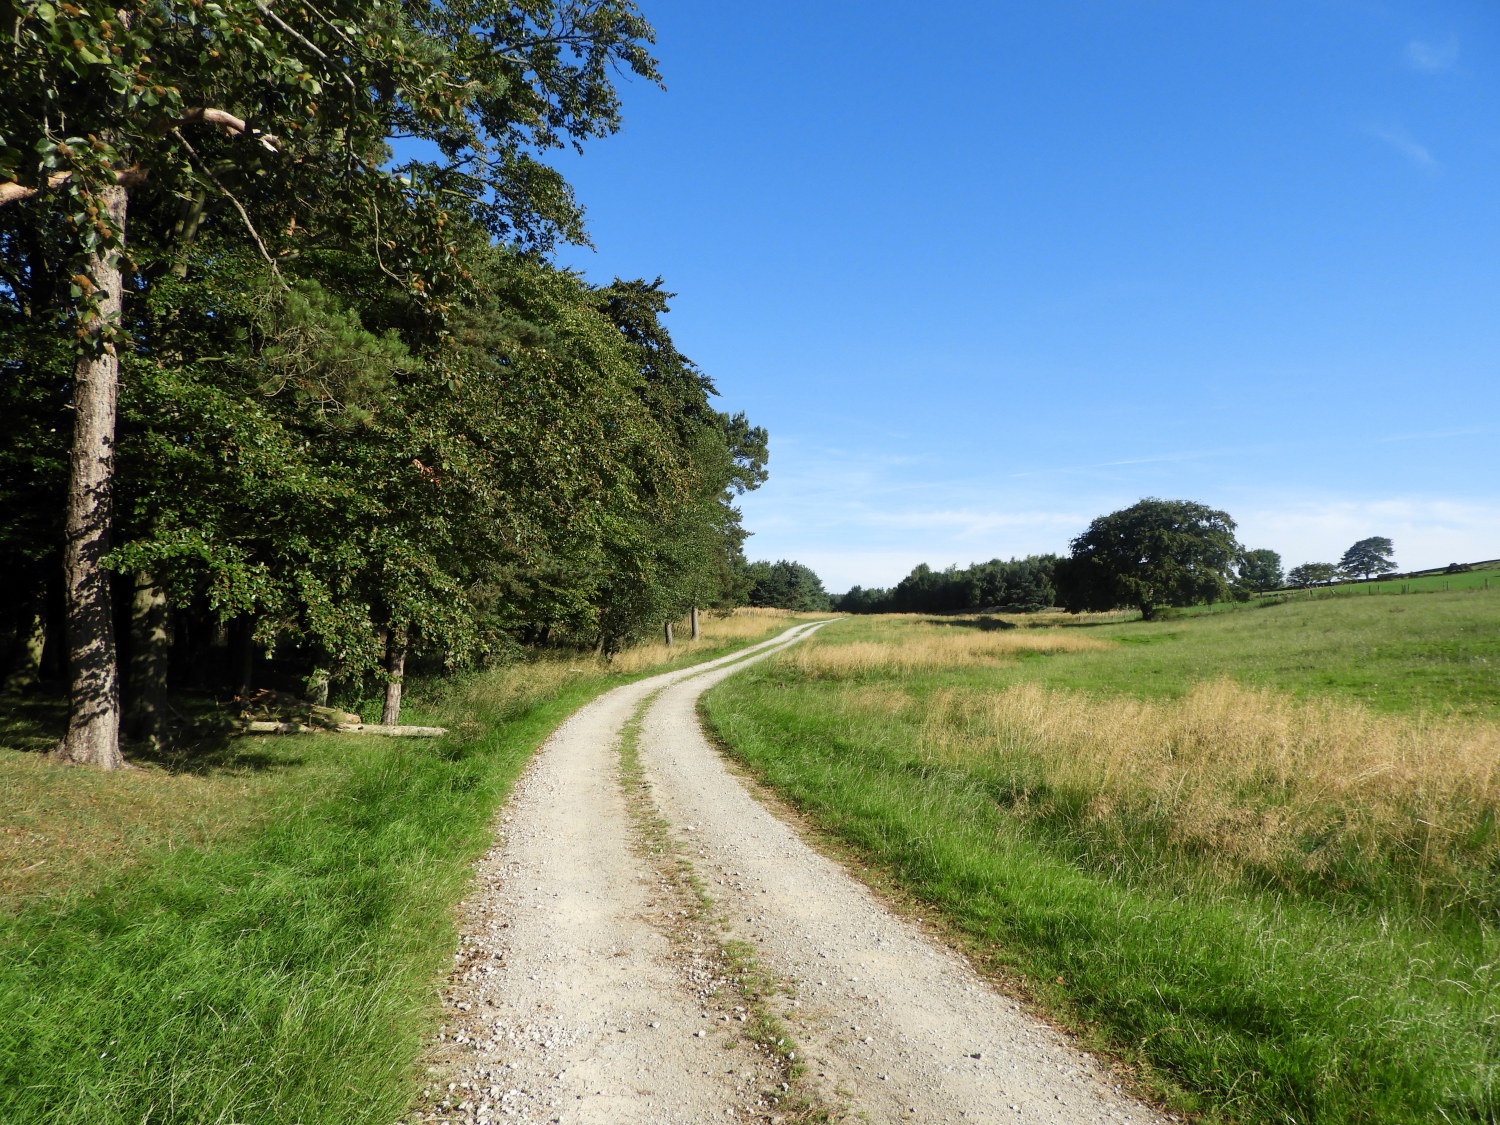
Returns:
<point x="254" y="931"/>
<point x="926" y="646"/>
<point x="1201" y="840"/>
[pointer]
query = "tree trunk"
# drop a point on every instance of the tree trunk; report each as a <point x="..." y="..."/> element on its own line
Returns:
<point x="26" y="668"/>
<point x="93" y="736"/>
<point x="242" y="651"/>
<point x="151" y="649"/>
<point x="697" y="633"/>
<point x="318" y="681"/>
<point x="395" y="672"/>
<point x="668" y="630"/>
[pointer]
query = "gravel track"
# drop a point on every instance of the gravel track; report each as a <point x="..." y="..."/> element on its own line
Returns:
<point x="585" y="992"/>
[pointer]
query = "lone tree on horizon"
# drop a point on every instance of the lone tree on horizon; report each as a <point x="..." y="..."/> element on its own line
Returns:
<point x="1155" y="553"/>
<point x="1368" y="557"/>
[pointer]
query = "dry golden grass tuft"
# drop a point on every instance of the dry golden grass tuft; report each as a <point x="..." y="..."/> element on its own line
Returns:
<point x="927" y="647"/>
<point x="1239" y="777"/>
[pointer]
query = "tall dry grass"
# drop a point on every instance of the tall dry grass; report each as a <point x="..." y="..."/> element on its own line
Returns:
<point x="1245" y="782"/>
<point x="933" y="647"/>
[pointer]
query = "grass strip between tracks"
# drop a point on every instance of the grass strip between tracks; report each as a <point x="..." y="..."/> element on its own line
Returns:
<point x="737" y="960"/>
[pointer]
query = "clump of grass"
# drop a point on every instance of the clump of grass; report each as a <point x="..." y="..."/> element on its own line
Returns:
<point x="1240" y="783"/>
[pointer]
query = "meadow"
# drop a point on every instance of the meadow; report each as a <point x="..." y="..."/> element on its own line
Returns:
<point x="1252" y="854"/>
<point x="254" y="929"/>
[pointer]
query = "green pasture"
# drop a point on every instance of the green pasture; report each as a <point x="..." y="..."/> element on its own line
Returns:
<point x="1330" y="999"/>
<point x="1438" y="653"/>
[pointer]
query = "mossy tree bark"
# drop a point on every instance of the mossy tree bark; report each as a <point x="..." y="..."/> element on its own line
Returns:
<point x="93" y="736"/>
<point x="395" y="673"/>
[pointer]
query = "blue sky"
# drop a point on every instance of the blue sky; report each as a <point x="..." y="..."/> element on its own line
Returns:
<point x="988" y="270"/>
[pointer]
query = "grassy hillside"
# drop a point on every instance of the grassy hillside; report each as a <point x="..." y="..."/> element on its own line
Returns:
<point x="1255" y="852"/>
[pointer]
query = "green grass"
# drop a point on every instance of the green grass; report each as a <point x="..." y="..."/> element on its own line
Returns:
<point x="1299" y="1004"/>
<point x="257" y="937"/>
<point x="1482" y="576"/>
<point x="1439" y="653"/>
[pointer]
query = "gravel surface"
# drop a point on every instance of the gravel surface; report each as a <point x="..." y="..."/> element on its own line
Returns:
<point x="588" y="990"/>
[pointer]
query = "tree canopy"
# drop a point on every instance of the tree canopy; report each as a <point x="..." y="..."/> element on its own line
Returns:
<point x="1260" y="570"/>
<point x="1017" y="585"/>
<point x="786" y="585"/>
<point x="1368" y="557"/>
<point x="1152" y="554"/>
<point x="359" y="412"/>
<point x="1312" y="574"/>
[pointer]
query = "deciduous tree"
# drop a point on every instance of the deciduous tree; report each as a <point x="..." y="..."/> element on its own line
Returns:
<point x="272" y="110"/>
<point x="1260" y="570"/>
<point x="1368" y="557"/>
<point x="1155" y="553"/>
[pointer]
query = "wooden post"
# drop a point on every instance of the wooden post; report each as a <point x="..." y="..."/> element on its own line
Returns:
<point x="697" y="632"/>
<point x="669" y="634"/>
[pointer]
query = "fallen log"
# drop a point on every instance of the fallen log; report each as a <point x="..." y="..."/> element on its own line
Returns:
<point x="263" y="726"/>
<point x="392" y="729"/>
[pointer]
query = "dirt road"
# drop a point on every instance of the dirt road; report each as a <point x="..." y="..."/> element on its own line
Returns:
<point x="594" y="985"/>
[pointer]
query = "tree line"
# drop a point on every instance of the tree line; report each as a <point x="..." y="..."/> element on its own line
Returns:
<point x="1151" y="555"/>
<point x="274" y="401"/>
<point x="1017" y="585"/>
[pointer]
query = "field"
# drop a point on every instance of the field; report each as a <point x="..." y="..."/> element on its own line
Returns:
<point x="1482" y="576"/>
<point x="1253" y="854"/>
<point x="253" y="929"/>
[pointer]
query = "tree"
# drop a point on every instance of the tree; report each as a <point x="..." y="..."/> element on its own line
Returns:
<point x="787" y="585"/>
<point x="1155" y="553"/>
<point x="1368" y="557"/>
<point x="260" y="108"/>
<point x="1312" y="574"/>
<point x="1260" y="570"/>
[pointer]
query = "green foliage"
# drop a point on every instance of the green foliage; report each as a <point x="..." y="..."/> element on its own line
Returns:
<point x="1260" y="570"/>
<point x="1368" y="557"/>
<point x="786" y="585"/>
<point x="1312" y="574"/>
<point x="1018" y="585"/>
<point x="1155" y="553"/>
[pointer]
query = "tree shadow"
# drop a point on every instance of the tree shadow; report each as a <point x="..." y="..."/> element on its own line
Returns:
<point x="984" y="623"/>
<point x="201" y="739"/>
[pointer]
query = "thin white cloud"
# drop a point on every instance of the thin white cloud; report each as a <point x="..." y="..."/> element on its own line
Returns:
<point x="1432" y="57"/>
<point x="1156" y="459"/>
<point x="1404" y="143"/>
<point x="1441" y="435"/>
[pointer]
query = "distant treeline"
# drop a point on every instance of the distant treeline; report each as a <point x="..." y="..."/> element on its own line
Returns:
<point x="1019" y="585"/>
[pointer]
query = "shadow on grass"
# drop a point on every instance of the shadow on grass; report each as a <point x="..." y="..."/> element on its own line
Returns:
<point x="984" y="623"/>
<point x="202" y="739"/>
